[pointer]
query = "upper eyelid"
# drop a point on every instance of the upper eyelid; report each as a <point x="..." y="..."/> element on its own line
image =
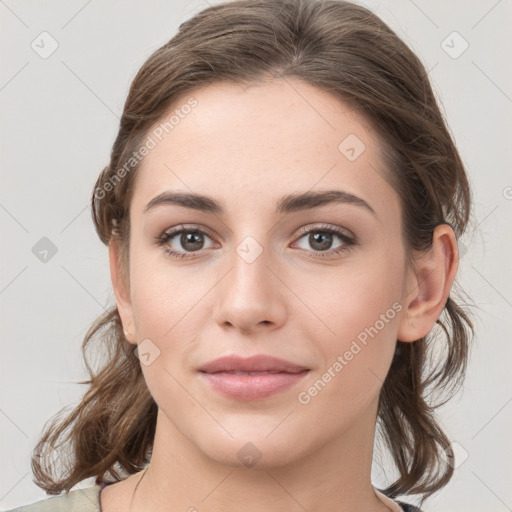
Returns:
<point x="326" y="227"/>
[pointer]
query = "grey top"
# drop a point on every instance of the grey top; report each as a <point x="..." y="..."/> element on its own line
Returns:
<point x="79" y="500"/>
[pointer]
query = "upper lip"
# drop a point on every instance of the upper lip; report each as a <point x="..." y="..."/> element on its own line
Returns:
<point x="258" y="363"/>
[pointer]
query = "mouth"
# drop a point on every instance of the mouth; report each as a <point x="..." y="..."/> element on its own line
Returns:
<point x="252" y="378"/>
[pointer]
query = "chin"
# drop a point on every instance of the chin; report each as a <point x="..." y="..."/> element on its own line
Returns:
<point x="252" y="449"/>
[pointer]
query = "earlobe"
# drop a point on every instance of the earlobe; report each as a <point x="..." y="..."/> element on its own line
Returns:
<point x="428" y="285"/>
<point x="121" y="291"/>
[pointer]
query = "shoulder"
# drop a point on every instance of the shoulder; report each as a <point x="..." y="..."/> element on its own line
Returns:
<point x="79" y="500"/>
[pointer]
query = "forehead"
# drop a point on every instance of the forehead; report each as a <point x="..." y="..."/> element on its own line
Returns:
<point x="249" y="146"/>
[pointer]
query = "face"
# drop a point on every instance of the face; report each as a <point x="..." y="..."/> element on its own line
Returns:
<point x="319" y="284"/>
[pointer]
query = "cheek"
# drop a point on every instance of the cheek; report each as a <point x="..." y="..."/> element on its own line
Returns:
<point x="162" y="302"/>
<point x="160" y="295"/>
<point x="170" y="309"/>
<point x="353" y="329"/>
<point x="344" y="302"/>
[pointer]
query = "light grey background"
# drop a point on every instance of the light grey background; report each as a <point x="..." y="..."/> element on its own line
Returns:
<point x="59" y="118"/>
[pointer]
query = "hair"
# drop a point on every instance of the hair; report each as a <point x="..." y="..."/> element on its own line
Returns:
<point x="348" y="51"/>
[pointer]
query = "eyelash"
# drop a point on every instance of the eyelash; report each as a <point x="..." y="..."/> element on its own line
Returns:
<point x="348" y="241"/>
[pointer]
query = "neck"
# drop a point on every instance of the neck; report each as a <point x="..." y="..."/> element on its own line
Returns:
<point x="334" y="477"/>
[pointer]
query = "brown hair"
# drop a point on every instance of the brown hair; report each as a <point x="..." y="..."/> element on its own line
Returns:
<point x="348" y="51"/>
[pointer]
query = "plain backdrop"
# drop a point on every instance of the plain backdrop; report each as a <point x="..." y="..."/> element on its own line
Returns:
<point x="65" y="71"/>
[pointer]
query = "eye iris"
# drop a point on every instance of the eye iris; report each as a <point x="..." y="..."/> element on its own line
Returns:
<point x="325" y="240"/>
<point x="195" y="239"/>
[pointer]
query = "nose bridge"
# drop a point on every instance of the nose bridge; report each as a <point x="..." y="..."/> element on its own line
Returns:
<point x="250" y="261"/>
<point x="248" y="295"/>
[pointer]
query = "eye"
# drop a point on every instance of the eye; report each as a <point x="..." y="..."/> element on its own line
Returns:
<point x="190" y="239"/>
<point x="320" y="238"/>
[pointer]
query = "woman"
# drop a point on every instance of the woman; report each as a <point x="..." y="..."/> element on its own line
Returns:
<point x="297" y="146"/>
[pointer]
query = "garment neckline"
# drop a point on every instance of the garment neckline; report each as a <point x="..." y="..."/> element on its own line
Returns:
<point x="393" y="505"/>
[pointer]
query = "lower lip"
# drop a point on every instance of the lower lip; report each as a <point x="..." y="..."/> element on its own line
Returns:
<point x="252" y="387"/>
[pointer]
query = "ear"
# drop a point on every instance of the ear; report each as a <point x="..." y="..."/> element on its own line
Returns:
<point x="428" y="285"/>
<point x="121" y="291"/>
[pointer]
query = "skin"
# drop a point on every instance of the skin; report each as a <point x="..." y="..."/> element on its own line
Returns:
<point x="248" y="147"/>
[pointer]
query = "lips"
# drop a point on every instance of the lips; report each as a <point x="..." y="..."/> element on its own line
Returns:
<point x="252" y="365"/>
<point x="253" y="378"/>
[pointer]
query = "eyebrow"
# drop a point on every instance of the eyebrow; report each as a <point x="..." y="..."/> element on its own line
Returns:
<point x="287" y="204"/>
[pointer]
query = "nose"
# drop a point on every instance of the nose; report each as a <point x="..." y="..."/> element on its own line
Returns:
<point x="250" y="297"/>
